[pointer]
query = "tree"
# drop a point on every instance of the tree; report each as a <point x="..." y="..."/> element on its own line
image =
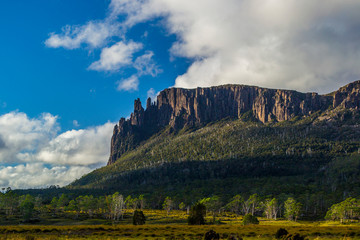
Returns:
<point x="131" y="203"/>
<point x="254" y="202"/>
<point x="142" y="201"/>
<point x="292" y="209"/>
<point x="213" y="204"/>
<point x="182" y="206"/>
<point x="117" y="206"/>
<point x="168" y="205"/>
<point x="87" y="204"/>
<point x="271" y="208"/>
<point x="251" y="204"/>
<point x="235" y="204"/>
<point x="139" y="218"/>
<point x="73" y="206"/>
<point x="62" y="202"/>
<point x="347" y="209"/>
<point x="10" y="202"/>
<point x="197" y="214"/>
<point x="54" y="205"/>
<point x="27" y="207"/>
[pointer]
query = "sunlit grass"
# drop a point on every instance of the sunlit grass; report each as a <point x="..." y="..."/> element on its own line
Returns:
<point x="159" y="225"/>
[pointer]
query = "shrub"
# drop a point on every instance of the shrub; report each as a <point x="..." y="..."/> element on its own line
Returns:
<point x="211" y="235"/>
<point x="197" y="214"/>
<point x="250" y="219"/>
<point x="280" y="233"/>
<point x="139" y="218"/>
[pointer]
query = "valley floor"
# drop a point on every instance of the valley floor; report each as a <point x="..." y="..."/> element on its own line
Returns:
<point x="159" y="225"/>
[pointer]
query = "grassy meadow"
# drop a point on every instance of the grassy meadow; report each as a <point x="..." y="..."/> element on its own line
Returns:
<point x="159" y="225"/>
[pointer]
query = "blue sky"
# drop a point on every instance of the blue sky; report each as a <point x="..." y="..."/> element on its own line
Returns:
<point x="71" y="69"/>
<point x="38" y="78"/>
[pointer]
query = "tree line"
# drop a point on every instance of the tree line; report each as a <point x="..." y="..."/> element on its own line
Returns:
<point x="113" y="207"/>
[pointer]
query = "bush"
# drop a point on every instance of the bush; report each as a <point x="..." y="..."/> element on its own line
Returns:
<point x="197" y="214"/>
<point x="280" y="233"/>
<point x="250" y="219"/>
<point x="139" y="218"/>
<point x="211" y="235"/>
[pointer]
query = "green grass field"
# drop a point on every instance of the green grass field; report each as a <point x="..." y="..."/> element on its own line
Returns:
<point x="173" y="226"/>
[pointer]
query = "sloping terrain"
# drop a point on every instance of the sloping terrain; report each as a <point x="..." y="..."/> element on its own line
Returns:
<point x="314" y="156"/>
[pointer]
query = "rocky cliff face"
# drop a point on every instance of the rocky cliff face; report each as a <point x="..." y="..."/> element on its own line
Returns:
<point x="176" y="107"/>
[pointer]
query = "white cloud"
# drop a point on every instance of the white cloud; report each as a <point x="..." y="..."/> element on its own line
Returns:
<point x="99" y="33"/>
<point x="79" y="147"/>
<point x="114" y="57"/>
<point x="76" y="123"/>
<point x="151" y="94"/>
<point x="129" y="84"/>
<point x="33" y="175"/>
<point x="306" y="45"/>
<point x="20" y="135"/>
<point x="146" y="65"/>
<point x="39" y="156"/>
<point x="94" y="34"/>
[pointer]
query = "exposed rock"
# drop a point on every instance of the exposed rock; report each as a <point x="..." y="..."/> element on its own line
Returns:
<point x="348" y="96"/>
<point x="177" y="107"/>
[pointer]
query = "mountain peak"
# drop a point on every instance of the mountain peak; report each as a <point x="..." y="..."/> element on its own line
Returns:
<point x="178" y="107"/>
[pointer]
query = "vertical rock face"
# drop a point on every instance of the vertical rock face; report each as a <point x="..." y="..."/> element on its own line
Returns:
<point x="201" y="105"/>
<point x="348" y="96"/>
<point x="137" y="117"/>
<point x="177" y="107"/>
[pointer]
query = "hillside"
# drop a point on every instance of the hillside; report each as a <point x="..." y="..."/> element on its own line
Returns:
<point x="234" y="139"/>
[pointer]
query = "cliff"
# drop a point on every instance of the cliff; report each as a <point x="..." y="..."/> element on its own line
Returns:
<point x="177" y="108"/>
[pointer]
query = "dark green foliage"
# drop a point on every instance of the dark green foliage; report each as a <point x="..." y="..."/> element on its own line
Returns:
<point x="228" y="139"/>
<point x="27" y="207"/>
<point x="211" y="235"/>
<point x="139" y="218"/>
<point x="280" y="233"/>
<point x="197" y="214"/>
<point x="292" y="209"/>
<point x="291" y="157"/>
<point x="250" y="219"/>
<point x="349" y="209"/>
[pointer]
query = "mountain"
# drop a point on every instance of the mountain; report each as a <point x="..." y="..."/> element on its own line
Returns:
<point x="179" y="108"/>
<point x="236" y="139"/>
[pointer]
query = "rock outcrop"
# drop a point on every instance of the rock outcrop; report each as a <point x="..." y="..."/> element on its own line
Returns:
<point x="177" y="108"/>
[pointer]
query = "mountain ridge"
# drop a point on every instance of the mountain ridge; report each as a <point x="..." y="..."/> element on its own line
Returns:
<point x="179" y="108"/>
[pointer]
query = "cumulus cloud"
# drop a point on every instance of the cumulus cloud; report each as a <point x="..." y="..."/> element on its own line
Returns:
<point x="97" y="34"/>
<point x="34" y="154"/>
<point x="21" y="135"/>
<point x="114" y="57"/>
<point x="94" y="34"/>
<point x="35" y="175"/>
<point x="129" y="84"/>
<point x="79" y="147"/>
<point x="306" y="45"/>
<point x="146" y="65"/>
